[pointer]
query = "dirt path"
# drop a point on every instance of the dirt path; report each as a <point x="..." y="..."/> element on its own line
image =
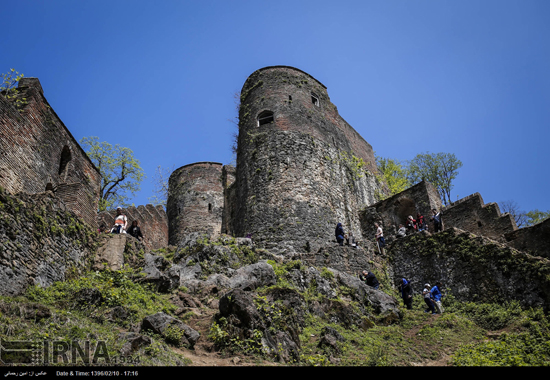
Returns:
<point x="204" y="352"/>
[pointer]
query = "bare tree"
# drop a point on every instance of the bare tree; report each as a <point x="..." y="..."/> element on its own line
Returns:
<point x="511" y="207"/>
<point x="160" y="182"/>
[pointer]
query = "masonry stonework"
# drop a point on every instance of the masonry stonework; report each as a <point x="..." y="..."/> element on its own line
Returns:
<point x="195" y="201"/>
<point x="473" y="215"/>
<point x="301" y="168"/>
<point x="152" y="221"/>
<point x="38" y="153"/>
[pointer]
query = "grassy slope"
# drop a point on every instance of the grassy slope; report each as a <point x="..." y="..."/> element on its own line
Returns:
<point x="466" y="334"/>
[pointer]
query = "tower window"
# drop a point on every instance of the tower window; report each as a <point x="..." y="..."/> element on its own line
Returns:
<point x="265" y="117"/>
<point x="315" y="99"/>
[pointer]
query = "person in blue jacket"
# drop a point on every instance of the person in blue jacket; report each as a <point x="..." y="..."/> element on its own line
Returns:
<point x="436" y="296"/>
<point x="406" y="292"/>
<point x="339" y="232"/>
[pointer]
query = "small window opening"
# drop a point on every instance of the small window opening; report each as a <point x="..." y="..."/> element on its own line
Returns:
<point x="315" y="99"/>
<point x="479" y="224"/>
<point x="65" y="158"/>
<point x="289" y="98"/>
<point x="265" y="117"/>
<point x="210" y="207"/>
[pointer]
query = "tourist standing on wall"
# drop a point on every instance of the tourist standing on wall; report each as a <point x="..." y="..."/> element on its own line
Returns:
<point x="339" y="232"/>
<point x="420" y="222"/>
<point x="380" y="237"/>
<point x="121" y="222"/>
<point x="436" y="218"/>
<point x="411" y="224"/>
<point x="135" y="231"/>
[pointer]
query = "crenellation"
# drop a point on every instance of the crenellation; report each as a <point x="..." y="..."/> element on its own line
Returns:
<point x="473" y="215"/>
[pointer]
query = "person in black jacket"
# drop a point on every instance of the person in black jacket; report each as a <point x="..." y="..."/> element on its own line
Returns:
<point x="406" y="292"/>
<point x="135" y="231"/>
<point x="370" y="279"/>
<point x="339" y="232"/>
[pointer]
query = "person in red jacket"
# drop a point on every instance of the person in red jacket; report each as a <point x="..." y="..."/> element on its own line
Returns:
<point x="420" y="222"/>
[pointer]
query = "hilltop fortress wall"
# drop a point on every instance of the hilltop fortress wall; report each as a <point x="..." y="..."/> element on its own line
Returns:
<point x="300" y="165"/>
<point x="301" y="169"/>
<point x="38" y="153"/>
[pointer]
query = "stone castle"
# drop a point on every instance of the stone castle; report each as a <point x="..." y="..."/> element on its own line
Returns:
<point x="301" y="168"/>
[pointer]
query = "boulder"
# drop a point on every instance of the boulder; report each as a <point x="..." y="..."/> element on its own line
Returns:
<point x="169" y="327"/>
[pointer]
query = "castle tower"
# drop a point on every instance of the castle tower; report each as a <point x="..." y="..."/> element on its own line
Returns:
<point x="301" y="168"/>
<point x="195" y="201"/>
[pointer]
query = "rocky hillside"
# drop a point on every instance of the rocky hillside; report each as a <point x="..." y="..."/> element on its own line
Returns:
<point x="226" y="302"/>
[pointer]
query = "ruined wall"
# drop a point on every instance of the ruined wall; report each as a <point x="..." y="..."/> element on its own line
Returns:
<point x="301" y="168"/>
<point x="37" y="152"/>
<point x="473" y="215"/>
<point x="420" y="198"/>
<point x="40" y="241"/>
<point x="195" y="201"/>
<point x="533" y="239"/>
<point x="472" y="268"/>
<point x="152" y="220"/>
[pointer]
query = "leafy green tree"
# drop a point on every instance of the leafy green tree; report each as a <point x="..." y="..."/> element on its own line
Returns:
<point x="120" y="172"/>
<point x="440" y="169"/>
<point x="8" y="88"/>
<point x="394" y="174"/>
<point x="536" y="216"/>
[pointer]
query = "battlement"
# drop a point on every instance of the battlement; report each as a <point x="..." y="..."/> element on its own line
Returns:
<point x="473" y="215"/>
<point x="152" y="221"/>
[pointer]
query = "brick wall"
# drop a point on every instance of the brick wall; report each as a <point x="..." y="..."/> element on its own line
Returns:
<point x="297" y="175"/>
<point x="152" y="221"/>
<point x="534" y="239"/>
<point x="473" y="215"/>
<point x="40" y="241"/>
<point x="37" y="152"/>
<point x="195" y="201"/>
<point x="420" y="198"/>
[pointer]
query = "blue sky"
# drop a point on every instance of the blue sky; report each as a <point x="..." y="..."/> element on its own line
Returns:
<point x="159" y="77"/>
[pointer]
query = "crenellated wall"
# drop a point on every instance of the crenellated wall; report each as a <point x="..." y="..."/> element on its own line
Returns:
<point x="152" y="220"/>
<point x="473" y="215"/>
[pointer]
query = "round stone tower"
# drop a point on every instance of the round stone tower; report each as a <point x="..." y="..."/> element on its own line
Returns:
<point x="195" y="201"/>
<point x="301" y="168"/>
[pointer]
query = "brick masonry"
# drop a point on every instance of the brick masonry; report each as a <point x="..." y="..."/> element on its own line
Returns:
<point x="37" y="152"/>
<point x="152" y="220"/>
<point x="302" y="171"/>
<point x="420" y="198"/>
<point x="473" y="215"/>
<point x="195" y="200"/>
